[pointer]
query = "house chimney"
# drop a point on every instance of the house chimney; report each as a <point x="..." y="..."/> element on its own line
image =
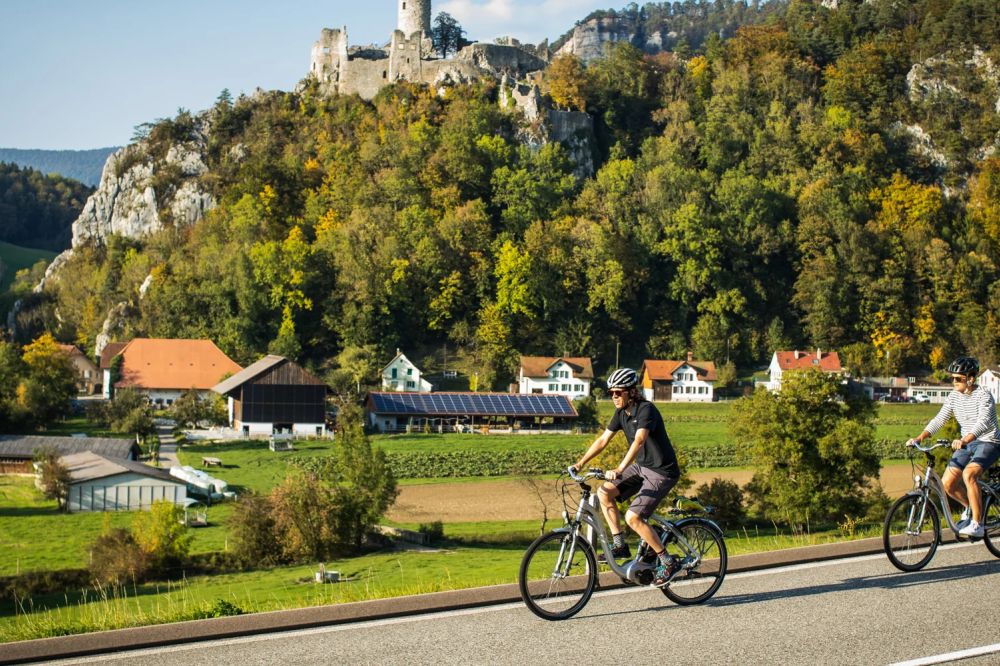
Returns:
<point x="690" y="356"/>
<point x="819" y="354"/>
<point x="796" y="352"/>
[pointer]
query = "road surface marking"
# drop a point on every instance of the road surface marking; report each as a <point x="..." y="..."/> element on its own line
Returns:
<point x="951" y="656"/>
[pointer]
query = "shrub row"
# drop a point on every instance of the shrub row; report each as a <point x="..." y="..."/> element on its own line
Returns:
<point x="36" y="583"/>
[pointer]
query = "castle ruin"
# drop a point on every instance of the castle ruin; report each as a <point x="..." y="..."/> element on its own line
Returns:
<point x="409" y="56"/>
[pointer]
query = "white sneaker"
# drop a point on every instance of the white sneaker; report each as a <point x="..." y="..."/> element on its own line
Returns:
<point x="973" y="529"/>
<point x="965" y="518"/>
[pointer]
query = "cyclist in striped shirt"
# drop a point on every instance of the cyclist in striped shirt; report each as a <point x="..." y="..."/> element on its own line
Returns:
<point x="976" y="449"/>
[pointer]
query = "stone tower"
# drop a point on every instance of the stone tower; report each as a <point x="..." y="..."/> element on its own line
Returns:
<point x="414" y="16"/>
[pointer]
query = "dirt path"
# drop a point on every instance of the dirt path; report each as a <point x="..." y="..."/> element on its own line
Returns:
<point x="515" y="500"/>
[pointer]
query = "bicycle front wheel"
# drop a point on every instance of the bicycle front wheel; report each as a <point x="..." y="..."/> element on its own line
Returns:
<point x="911" y="532"/>
<point x="697" y="584"/>
<point x="558" y="574"/>
<point x="991" y="525"/>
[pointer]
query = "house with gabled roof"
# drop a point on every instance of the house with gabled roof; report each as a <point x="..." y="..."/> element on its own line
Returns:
<point x="570" y="376"/>
<point x="783" y="361"/>
<point x="87" y="374"/>
<point x="163" y="368"/>
<point x="18" y="451"/>
<point x="101" y="483"/>
<point x="275" y="396"/>
<point x="400" y="374"/>
<point x="678" y="381"/>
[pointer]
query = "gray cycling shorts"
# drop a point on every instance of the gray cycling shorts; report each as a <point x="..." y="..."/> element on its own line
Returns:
<point x="645" y="486"/>
<point x="980" y="452"/>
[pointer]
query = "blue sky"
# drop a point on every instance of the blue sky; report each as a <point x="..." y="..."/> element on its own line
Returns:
<point x="79" y="74"/>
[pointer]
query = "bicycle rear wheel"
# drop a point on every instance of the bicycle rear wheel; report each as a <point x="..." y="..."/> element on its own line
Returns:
<point x="558" y="574"/>
<point x="699" y="583"/>
<point x="991" y="525"/>
<point x="911" y="532"/>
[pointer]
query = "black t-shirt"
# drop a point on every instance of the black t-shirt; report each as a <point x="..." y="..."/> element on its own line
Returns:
<point x="657" y="453"/>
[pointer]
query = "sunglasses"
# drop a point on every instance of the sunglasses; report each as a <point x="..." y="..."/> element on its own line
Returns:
<point x="958" y="380"/>
<point x="618" y="394"/>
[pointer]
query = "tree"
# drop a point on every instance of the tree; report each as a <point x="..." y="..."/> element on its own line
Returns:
<point x="447" y="34"/>
<point x="568" y="83"/>
<point x="49" y="381"/>
<point x="54" y="477"/>
<point x="117" y="559"/>
<point x="254" y="537"/>
<point x="811" y="445"/>
<point x="162" y="535"/>
<point x="129" y="411"/>
<point x="305" y="517"/>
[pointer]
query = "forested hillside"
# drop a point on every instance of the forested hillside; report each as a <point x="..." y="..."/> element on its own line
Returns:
<point x="82" y="165"/>
<point x="827" y="179"/>
<point x="37" y="210"/>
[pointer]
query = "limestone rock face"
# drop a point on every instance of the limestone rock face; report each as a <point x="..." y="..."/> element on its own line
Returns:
<point x="588" y="39"/>
<point x="126" y="202"/>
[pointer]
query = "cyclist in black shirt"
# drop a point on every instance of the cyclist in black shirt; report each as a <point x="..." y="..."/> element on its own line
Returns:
<point x="646" y="474"/>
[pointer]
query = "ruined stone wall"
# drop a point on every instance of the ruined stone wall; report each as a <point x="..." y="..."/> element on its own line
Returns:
<point x="405" y="55"/>
<point x="329" y="55"/>
<point x="364" y="77"/>
<point x="499" y="58"/>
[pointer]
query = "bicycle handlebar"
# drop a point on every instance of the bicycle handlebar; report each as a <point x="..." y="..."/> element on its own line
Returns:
<point x="592" y="473"/>
<point x="927" y="449"/>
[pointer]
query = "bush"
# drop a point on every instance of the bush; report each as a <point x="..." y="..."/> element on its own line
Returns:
<point x="162" y="535"/>
<point x="727" y="498"/>
<point x="434" y="531"/>
<point x="117" y="559"/>
<point x="253" y="532"/>
<point x="219" y="608"/>
<point x="35" y="583"/>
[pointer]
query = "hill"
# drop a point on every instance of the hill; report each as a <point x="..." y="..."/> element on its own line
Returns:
<point x="81" y="165"/>
<point x="14" y="258"/>
<point x="825" y="179"/>
<point x="38" y="210"/>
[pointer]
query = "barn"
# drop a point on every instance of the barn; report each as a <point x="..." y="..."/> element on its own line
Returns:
<point x="17" y="451"/>
<point x="275" y="396"/>
<point x="115" y="484"/>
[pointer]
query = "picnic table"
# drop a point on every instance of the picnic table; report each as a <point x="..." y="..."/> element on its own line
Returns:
<point x="210" y="461"/>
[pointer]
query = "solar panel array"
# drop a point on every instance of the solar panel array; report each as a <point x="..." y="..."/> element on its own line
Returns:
<point x="469" y="404"/>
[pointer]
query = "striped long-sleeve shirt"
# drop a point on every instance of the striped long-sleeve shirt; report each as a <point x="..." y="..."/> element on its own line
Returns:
<point x="975" y="412"/>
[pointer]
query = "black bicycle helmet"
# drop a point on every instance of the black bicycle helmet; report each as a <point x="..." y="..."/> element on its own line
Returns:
<point x="964" y="365"/>
<point x="623" y="378"/>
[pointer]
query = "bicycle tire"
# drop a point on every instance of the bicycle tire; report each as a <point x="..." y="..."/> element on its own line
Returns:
<point x="991" y="525"/>
<point x="910" y="547"/>
<point x="699" y="584"/>
<point x="552" y="587"/>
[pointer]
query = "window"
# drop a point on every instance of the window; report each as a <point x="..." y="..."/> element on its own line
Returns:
<point x="553" y="387"/>
<point x="410" y="385"/>
<point x="394" y="371"/>
<point x="409" y="372"/>
<point x="565" y="387"/>
<point x="578" y="388"/>
<point x="677" y="389"/>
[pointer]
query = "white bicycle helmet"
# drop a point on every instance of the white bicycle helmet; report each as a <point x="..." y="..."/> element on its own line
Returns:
<point x="623" y="378"/>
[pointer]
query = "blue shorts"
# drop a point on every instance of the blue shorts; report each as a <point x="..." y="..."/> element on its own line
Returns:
<point x="982" y="453"/>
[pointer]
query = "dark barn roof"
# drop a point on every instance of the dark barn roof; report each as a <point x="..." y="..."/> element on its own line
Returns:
<point x="470" y="404"/>
<point x="23" y="447"/>
<point x="270" y="370"/>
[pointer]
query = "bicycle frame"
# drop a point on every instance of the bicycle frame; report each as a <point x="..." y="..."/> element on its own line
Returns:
<point x="932" y="483"/>
<point x="589" y="514"/>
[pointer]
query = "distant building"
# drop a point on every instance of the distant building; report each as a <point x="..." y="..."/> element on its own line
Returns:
<point x="402" y="375"/>
<point x="18" y="451"/>
<point x="570" y="376"/>
<point x="782" y="361"/>
<point x="275" y="396"/>
<point x="163" y="369"/>
<point x="990" y="380"/>
<point x="678" y="381"/>
<point x="98" y="483"/>
<point x="925" y="391"/>
<point x="469" y="412"/>
<point x="88" y="378"/>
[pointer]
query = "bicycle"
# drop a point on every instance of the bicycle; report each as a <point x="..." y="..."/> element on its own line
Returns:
<point x="559" y="570"/>
<point x="912" y="529"/>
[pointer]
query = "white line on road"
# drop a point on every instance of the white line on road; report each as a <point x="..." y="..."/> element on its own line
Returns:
<point x="951" y="656"/>
<point x="442" y="614"/>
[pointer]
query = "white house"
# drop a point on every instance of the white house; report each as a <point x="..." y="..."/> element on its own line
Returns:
<point x="105" y="484"/>
<point x="935" y="393"/>
<point x="678" y="381"/>
<point x="990" y="380"/>
<point x="783" y="361"/>
<point x="401" y="375"/>
<point x="570" y="376"/>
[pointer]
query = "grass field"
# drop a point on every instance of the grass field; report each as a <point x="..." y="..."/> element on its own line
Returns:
<point x="15" y="258"/>
<point x="35" y="536"/>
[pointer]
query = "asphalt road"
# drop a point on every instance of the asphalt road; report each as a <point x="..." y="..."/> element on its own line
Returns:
<point x="853" y="611"/>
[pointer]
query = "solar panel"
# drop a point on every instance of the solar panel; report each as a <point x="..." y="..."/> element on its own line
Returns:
<point x="468" y="404"/>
